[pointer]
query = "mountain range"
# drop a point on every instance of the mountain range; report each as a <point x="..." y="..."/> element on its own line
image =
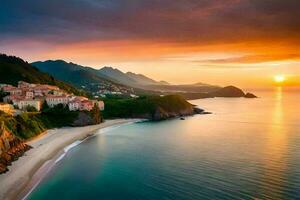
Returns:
<point x="83" y="80"/>
<point x="82" y="75"/>
<point x="78" y="74"/>
<point x="14" y="69"/>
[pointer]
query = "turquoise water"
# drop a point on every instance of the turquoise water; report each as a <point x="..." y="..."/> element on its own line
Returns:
<point x="247" y="149"/>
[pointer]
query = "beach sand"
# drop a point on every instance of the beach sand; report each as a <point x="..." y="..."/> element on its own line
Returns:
<point x="27" y="171"/>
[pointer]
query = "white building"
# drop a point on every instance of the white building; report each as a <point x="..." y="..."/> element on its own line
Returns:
<point x="100" y="105"/>
<point x="74" y="105"/>
<point x="15" y="92"/>
<point x="38" y="92"/>
<point x="55" y="100"/>
<point x="29" y="94"/>
<point x="23" y="104"/>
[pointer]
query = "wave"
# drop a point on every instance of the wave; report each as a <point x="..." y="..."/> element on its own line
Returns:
<point x="68" y="148"/>
<point x="110" y="128"/>
<point x="100" y="131"/>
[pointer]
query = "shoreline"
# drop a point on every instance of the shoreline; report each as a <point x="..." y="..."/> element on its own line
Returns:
<point x="27" y="172"/>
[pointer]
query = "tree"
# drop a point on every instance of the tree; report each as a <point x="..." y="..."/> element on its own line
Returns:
<point x="45" y="107"/>
<point x="96" y="115"/>
<point x="31" y="109"/>
<point x="2" y="95"/>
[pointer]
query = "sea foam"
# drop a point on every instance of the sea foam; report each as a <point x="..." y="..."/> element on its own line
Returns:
<point x="66" y="149"/>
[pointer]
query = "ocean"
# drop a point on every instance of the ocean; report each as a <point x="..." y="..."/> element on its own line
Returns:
<point x="246" y="149"/>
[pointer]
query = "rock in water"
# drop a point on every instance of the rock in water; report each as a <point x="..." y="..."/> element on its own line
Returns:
<point x="250" y="95"/>
<point x="198" y="110"/>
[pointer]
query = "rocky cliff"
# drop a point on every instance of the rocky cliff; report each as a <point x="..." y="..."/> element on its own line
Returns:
<point x="150" y="107"/>
<point x="162" y="114"/>
<point x="85" y="119"/>
<point x="11" y="148"/>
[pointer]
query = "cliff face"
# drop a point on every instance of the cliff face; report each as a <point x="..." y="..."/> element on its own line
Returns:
<point x="161" y="114"/>
<point x="11" y="148"/>
<point x="85" y="119"/>
<point x="150" y="107"/>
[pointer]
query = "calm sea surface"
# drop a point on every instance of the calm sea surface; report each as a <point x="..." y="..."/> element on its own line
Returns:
<point x="247" y="149"/>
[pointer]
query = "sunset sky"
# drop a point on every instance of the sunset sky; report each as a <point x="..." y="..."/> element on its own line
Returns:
<point x="241" y="42"/>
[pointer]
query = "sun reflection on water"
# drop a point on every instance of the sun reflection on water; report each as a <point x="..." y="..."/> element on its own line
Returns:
<point x="275" y="161"/>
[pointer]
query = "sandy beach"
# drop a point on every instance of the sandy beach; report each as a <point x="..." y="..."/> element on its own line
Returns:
<point x="25" y="173"/>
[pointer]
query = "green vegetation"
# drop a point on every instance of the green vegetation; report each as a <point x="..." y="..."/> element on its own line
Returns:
<point x="144" y="107"/>
<point x="24" y="126"/>
<point x="28" y="125"/>
<point x="2" y="94"/>
<point x="14" y="69"/>
<point x="58" y="116"/>
<point x="95" y="114"/>
<point x="31" y="109"/>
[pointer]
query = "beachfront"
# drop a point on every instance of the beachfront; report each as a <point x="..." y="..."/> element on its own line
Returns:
<point x="26" y="172"/>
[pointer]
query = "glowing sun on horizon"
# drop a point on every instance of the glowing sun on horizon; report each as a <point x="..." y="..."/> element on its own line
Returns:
<point x="279" y="78"/>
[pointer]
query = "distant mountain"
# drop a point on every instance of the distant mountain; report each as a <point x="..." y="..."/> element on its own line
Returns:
<point x="129" y="78"/>
<point x="70" y="72"/>
<point x="142" y="79"/>
<point x="79" y="75"/>
<point x="200" y="84"/>
<point x="14" y="69"/>
<point x="164" y="83"/>
<point x="167" y="88"/>
<point x="113" y="78"/>
<point x="228" y="92"/>
<point x="92" y="80"/>
<point x="116" y="75"/>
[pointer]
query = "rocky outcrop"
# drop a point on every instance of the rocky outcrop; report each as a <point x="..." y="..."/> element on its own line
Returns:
<point x="11" y="148"/>
<point x="198" y="110"/>
<point x="250" y="95"/>
<point x="161" y="114"/>
<point x="229" y="91"/>
<point x="85" y="119"/>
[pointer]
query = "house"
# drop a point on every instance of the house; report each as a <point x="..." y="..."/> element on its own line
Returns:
<point x="29" y="94"/>
<point x="74" y="105"/>
<point x="22" y="84"/>
<point x="7" y="88"/>
<point x="86" y="105"/>
<point x="13" y="91"/>
<point x="80" y="98"/>
<point x="2" y="85"/>
<point x="38" y="92"/>
<point x="7" y="108"/>
<point x="100" y="105"/>
<point x="23" y="104"/>
<point x="53" y="100"/>
<point x="41" y="90"/>
<point x="12" y="98"/>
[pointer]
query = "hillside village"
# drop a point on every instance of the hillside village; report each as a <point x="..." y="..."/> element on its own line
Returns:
<point x="32" y="96"/>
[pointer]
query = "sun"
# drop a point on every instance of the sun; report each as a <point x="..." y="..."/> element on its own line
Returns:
<point x="279" y="78"/>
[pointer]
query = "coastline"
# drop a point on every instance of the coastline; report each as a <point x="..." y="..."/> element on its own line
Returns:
<point x="25" y="173"/>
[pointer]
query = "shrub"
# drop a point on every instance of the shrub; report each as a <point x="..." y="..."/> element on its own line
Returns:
<point x="31" y="109"/>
